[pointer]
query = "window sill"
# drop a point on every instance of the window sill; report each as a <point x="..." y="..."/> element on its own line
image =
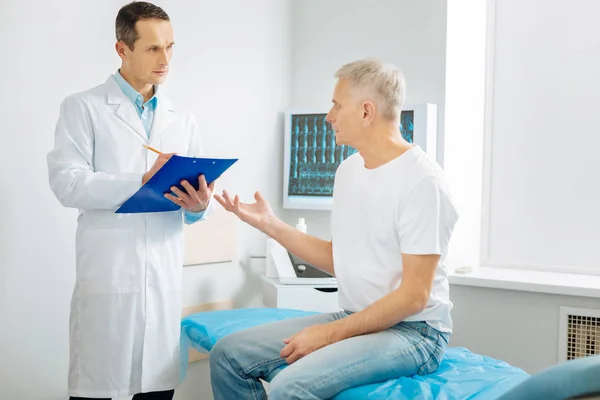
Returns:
<point x="530" y="281"/>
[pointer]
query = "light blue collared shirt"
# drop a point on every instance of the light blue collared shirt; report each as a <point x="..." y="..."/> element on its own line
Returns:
<point x="146" y="113"/>
<point x="144" y="110"/>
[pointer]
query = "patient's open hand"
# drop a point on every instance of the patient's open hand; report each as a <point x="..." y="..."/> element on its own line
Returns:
<point x="257" y="214"/>
<point x="306" y="341"/>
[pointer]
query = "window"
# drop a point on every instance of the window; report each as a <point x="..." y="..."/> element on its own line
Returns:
<point x="524" y="169"/>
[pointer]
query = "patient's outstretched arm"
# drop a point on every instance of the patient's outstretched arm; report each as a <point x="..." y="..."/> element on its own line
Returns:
<point x="315" y="251"/>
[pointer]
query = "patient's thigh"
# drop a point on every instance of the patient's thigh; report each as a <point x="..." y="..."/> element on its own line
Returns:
<point x="354" y="362"/>
<point x="256" y="350"/>
<point x="272" y="334"/>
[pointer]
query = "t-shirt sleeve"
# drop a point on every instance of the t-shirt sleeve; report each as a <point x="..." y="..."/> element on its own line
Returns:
<point x="426" y="220"/>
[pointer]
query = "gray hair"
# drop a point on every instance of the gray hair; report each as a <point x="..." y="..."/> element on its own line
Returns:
<point x="383" y="83"/>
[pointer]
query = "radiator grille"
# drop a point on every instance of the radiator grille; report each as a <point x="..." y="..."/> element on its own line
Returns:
<point x="583" y="336"/>
<point x="579" y="334"/>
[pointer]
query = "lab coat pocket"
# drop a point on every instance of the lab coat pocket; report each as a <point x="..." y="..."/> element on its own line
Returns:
<point x="106" y="262"/>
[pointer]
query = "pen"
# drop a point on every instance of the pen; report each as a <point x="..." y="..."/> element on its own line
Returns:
<point x="153" y="149"/>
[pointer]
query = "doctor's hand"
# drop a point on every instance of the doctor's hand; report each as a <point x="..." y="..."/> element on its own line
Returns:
<point x="306" y="341"/>
<point x="192" y="200"/>
<point x="257" y="214"/>
<point x="158" y="164"/>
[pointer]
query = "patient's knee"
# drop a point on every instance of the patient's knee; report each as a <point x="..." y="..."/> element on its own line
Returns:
<point x="221" y="352"/>
<point x="229" y="351"/>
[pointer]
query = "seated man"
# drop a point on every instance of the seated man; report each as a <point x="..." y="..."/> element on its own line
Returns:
<point x="391" y="223"/>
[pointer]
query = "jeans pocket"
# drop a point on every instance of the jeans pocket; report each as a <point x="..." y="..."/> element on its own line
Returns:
<point x="418" y="327"/>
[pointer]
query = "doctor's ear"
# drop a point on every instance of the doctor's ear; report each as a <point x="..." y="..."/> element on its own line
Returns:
<point x="121" y="49"/>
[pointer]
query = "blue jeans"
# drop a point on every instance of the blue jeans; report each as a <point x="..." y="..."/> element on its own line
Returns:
<point x="239" y="360"/>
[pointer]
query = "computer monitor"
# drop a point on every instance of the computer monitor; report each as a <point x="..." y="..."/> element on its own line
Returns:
<point x="311" y="156"/>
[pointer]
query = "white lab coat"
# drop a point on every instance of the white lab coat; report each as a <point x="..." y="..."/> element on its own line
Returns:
<point x="126" y="305"/>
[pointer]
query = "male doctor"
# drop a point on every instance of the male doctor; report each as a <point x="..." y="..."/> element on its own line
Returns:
<point x="126" y="305"/>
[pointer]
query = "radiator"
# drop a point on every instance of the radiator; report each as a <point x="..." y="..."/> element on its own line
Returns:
<point x="579" y="333"/>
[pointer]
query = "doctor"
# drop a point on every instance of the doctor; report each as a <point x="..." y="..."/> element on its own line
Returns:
<point x="126" y="304"/>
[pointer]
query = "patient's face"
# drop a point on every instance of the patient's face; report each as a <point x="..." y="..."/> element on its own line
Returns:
<point x="345" y="115"/>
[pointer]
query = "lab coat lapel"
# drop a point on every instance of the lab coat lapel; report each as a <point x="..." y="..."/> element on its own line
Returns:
<point x="163" y="117"/>
<point x="125" y="109"/>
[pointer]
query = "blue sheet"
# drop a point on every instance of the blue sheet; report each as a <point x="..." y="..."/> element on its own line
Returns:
<point x="461" y="375"/>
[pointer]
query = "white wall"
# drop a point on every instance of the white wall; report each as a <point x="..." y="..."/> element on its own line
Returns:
<point x="327" y="34"/>
<point x="543" y="209"/>
<point x="520" y="328"/>
<point x="231" y="66"/>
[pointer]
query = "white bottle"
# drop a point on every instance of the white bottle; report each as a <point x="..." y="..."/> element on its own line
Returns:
<point x="301" y="225"/>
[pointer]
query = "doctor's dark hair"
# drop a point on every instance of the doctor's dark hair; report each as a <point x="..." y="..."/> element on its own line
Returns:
<point x="130" y="14"/>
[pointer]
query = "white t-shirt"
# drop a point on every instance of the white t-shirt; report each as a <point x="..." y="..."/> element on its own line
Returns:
<point x="400" y="207"/>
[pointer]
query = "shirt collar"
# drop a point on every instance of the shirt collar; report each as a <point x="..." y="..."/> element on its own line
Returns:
<point x="135" y="97"/>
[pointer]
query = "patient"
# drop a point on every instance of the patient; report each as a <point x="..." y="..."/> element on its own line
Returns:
<point x="391" y="223"/>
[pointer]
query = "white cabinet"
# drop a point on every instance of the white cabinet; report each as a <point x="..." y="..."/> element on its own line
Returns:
<point x="321" y="298"/>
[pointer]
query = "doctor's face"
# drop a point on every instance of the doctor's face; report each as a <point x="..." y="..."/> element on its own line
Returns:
<point x="148" y="62"/>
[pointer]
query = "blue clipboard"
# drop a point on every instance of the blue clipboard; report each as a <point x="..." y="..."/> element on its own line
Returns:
<point x="150" y="197"/>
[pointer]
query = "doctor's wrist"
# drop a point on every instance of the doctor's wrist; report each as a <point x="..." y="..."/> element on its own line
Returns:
<point x="198" y="209"/>
<point x="146" y="177"/>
